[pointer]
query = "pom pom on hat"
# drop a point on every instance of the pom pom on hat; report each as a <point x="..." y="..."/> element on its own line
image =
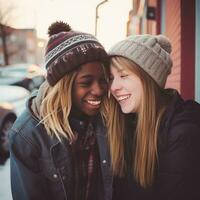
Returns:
<point x="164" y="43"/>
<point x="58" y="27"/>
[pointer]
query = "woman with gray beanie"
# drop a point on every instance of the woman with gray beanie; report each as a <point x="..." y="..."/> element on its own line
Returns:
<point x="154" y="135"/>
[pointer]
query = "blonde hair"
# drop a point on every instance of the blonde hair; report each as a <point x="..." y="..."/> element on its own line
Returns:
<point x="145" y="147"/>
<point x="56" y="107"/>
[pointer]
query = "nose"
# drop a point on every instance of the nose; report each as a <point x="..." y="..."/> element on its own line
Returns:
<point x="115" y="86"/>
<point x="98" y="89"/>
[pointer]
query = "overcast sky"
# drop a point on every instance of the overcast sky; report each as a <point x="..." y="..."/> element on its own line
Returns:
<point x="80" y="14"/>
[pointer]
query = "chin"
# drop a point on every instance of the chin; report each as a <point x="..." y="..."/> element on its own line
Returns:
<point x="126" y="111"/>
<point x="92" y="113"/>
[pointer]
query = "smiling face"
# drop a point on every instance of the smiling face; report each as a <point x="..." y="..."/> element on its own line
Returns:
<point x="126" y="87"/>
<point x="88" y="89"/>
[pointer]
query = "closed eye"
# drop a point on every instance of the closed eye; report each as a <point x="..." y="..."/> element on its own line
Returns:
<point x="124" y="76"/>
<point x="85" y="83"/>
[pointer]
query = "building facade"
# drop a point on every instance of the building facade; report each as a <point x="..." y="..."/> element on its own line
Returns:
<point x="179" y="20"/>
<point x="22" y="46"/>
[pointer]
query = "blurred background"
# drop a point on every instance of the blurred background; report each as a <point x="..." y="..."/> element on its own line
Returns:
<point x="23" y="36"/>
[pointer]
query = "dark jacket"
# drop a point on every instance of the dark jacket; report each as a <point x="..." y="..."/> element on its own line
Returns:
<point x="178" y="170"/>
<point x="41" y="165"/>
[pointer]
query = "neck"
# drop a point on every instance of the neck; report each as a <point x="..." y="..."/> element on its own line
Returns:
<point x="75" y="114"/>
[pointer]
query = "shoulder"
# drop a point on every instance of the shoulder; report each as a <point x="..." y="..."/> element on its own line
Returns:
<point x="180" y="138"/>
<point x="181" y="112"/>
<point x="187" y="111"/>
<point x="186" y="114"/>
<point x="183" y="125"/>
<point x="25" y="127"/>
<point x="27" y="136"/>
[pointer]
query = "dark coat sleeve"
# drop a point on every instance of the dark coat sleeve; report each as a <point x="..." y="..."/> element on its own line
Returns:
<point x="26" y="180"/>
<point x="179" y="169"/>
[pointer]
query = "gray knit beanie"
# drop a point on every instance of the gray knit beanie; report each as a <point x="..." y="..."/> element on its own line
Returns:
<point x="150" y="52"/>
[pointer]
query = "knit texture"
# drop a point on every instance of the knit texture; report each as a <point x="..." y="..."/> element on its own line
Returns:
<point x="67" y="50"/>
<point x="150" y="52"/>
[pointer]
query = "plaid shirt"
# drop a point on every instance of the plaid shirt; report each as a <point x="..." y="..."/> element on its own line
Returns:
<point x="86" y="163"/>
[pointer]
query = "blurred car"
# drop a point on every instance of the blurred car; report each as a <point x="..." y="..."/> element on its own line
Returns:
<point x="29" y="76"/>
<point x="12" y="103"/>
<point x="7" y="118"/>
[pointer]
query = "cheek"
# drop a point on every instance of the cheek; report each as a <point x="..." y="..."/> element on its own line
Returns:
<point x="74" y="94"/>
<point x="110" y="86"/>
<point x="77" y="95"/>
<point x="139" y="95"/>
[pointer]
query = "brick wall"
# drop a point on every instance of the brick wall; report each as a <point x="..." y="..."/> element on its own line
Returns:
<point x="180" y="28"/>
<point x="173" y="31"/>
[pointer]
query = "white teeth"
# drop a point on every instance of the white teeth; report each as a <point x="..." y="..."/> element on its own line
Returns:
<point x="123" y="97"/>
<point x="94" y="102"/>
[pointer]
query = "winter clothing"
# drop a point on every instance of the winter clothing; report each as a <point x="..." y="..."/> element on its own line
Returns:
<point x="42" y="166"/>
<point x="86" y="161"/>
<point x="67" y="50"/>
<point x="150" y="52"/>
<point x="178" y="171"/>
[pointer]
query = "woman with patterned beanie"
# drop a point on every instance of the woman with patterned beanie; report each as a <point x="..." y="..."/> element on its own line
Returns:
<point x="58" y="145"/>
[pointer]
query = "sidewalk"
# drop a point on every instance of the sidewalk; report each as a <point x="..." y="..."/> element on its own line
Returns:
<point x="5" y="190"/>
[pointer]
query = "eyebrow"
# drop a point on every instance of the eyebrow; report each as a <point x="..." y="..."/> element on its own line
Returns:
<point x="122" y="70"/>
<point x="85" y="76"/>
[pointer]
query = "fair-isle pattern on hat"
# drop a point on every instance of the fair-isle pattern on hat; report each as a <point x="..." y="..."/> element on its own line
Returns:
<point x="150" y="52"/>
<point x="66" y="45"/>
<point x="67" y="50"/>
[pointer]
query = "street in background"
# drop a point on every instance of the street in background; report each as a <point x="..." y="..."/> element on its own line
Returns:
<point x="29" y="76"/>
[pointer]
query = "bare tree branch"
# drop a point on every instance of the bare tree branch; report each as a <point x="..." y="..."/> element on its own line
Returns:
<point x="5" y="20"/>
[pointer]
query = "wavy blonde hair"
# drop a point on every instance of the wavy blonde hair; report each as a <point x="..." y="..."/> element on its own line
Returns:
<point x="145" y="146"/>
<point x="56" y="107"/>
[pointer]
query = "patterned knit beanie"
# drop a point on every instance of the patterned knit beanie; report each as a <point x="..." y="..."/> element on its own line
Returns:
<point x="150" y="52"/>
<point x="67" y="49"/>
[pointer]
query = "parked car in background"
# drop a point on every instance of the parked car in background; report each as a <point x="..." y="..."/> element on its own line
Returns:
<point x="7" y="118"/>
<point x="29" y="76"/>
<point x="12" y="103"/>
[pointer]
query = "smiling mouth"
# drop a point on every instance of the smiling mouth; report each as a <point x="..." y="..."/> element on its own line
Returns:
<point x="123" y="98"/>
<point x="94" y="102"/>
